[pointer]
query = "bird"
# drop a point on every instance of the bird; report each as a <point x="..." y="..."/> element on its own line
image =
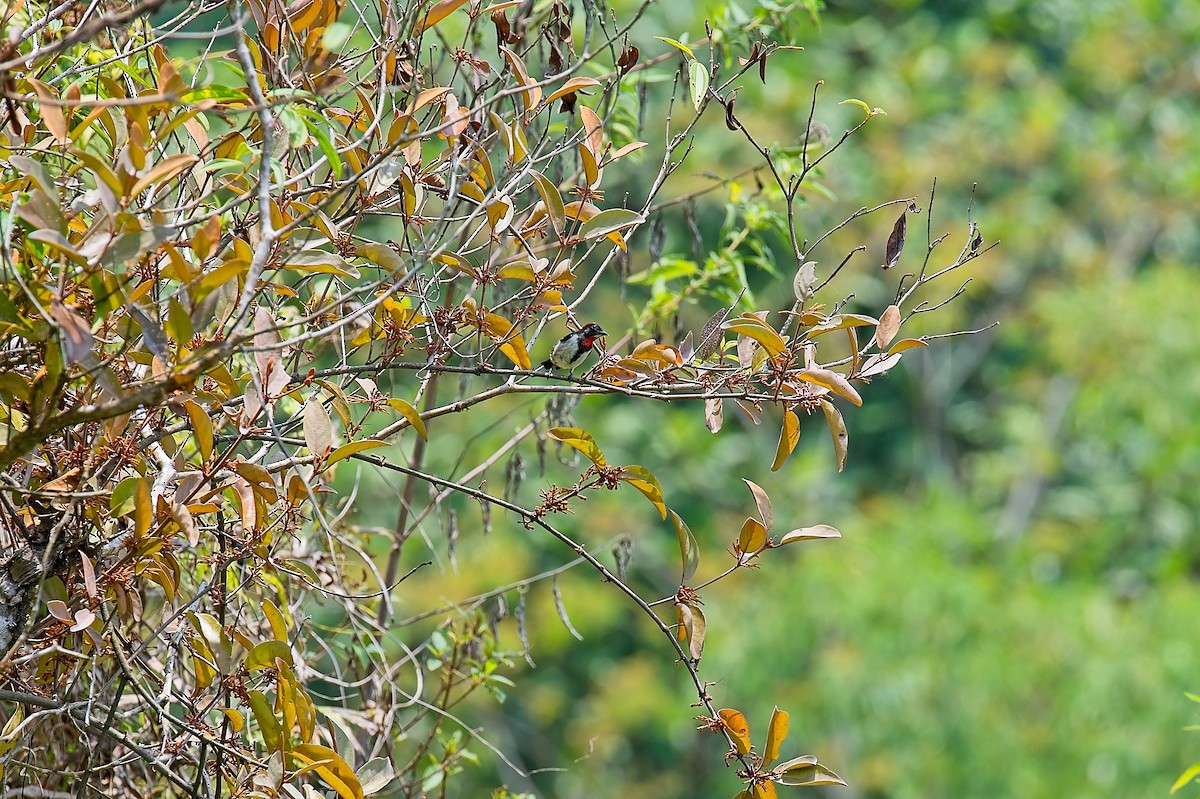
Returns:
<point x="572" y="348"/>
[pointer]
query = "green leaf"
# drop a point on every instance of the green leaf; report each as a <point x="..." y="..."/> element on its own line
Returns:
<point x="263" y="655"/>
<point x="640" y="478"/>
<point x="375" y="774"/>
<point x="609" y="221"/>
<point x="698" y="76"/>
<point x="689" y="551"/>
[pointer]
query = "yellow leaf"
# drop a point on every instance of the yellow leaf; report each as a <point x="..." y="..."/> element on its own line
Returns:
<point x="236" y="720"/>
<point x="789" y="436"/>
<point x="751" y="539"/>
<point x="164" y="171"/>
<point x="640" y="478"/>
<point x="410" y="413"/>
<point x="330" y="766"/>
<point x="754" y="328"/>
<point x="776" y="733"/>
<point x="906" y="344"/>
<point x="143" y="510"/>
<point x="353" y="448"/>
<point x="580" y="440"/>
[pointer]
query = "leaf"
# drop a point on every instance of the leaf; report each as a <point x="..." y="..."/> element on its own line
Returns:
<point x="163" y="171"/>
<point x="713" y="415"/>
<point x="440" y="11"/>
<point x="735" y="724"/>
<point x="805" y="279"/>
<point x="318" y="429"/>
<point x="143" y="510"/>
<point x="789" y="436"/>
<point x="593" y="130"/>
<point x="692" y="628"/>
<point x="552" y="200"/>
<point x="410" y="413"/>
<point x="888" y="327"/>
<point x="810" y="534"/>
<point x="680" y="46"/>
<point x="805" y="770"/>
<point x="710" y="337"/>
<point x="580" y="440"/>
<point x="1186" y="777"/>
<point x="879" y="363"/>
<point x="776" y="733"/>
<point x="762" y="501"/>
<point x="562" y="610"/>
<point x="837" y="429"/>
<point x="641" y="478"/>
<point x="870" y="112"/>
<point x="895" y="242"/>
<point x="751" y="540"/>
<point x="754" y="328"/>
<point x="77" y="336"/>
<point x="698" y="77"/>
<point x="906" y="344"/>
<point x="571" y="86"/>
<point x="531" y="93"/>
<point x="263" y="655"/>
<point x="500" y="330"/>
<point x="609" y="221"/>
<point x="764" y="790"/>
<point x="52" y="115"/>
<point x="689" y="550"/>
<point x="331" y="768"/>
<point x="236" y="720"/>
<point x="833" y="381"/>
<point x="353" y="448"/>
<point x="375" y="774"/>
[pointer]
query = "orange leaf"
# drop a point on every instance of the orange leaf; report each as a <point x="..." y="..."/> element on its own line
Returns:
<point x="439" y="12"/>
<point x="739" y="730"/>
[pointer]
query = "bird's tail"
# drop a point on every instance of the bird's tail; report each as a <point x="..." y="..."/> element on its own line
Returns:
<point x="546" y="365"/>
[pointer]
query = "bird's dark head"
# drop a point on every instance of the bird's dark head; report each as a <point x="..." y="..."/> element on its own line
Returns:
<point x="592" y="330"/>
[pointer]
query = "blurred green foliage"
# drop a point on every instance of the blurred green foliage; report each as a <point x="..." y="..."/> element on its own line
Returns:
<point x="1009" y="613"/>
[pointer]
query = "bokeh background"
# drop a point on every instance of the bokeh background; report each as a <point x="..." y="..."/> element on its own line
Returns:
<point x="1012" y="609"/>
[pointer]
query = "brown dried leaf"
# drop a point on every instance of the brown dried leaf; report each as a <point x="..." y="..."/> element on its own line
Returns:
<point x="888" y="327"/>
<point x="318" y="429"/>
<point x="713" y="414"/>
<point x="77" y="336"/>
<point x="895" y="243"/>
